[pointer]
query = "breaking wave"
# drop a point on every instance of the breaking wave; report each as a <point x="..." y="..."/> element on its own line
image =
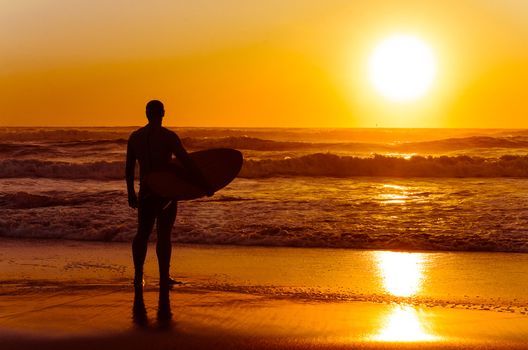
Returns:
<point x="325" y="164"/>
<point x="318" y="164"/>
<point x="13" y="168"/>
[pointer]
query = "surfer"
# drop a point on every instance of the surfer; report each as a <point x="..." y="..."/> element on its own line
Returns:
<point x="152" y="146"/>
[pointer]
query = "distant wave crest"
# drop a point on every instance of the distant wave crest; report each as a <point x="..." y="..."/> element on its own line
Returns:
<point x="450" y="144"/>
<point x="110" y="145"/>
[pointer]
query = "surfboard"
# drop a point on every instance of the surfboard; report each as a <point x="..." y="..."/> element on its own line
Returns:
<point x="219" y="166"/>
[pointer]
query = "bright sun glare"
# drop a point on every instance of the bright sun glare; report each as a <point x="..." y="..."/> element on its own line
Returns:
<point x="402" y="68"/>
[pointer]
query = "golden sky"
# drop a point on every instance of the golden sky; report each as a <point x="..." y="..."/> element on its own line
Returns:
<point x="274" y="63"/>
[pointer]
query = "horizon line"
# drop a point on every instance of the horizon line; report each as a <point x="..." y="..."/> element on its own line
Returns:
<point x="266" y="127"/>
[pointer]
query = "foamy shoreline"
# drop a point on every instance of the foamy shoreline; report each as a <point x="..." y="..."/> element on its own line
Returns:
<point x="363" y="213"/>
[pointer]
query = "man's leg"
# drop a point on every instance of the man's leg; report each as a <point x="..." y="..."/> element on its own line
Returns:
<point x="146" y="219"/>
<point x="164" y="225"/>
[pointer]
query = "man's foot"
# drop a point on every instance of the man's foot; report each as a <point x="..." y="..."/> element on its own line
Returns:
<point x="169" y="282"/>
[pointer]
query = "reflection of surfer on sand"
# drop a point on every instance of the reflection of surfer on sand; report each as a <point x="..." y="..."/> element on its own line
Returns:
<point x="153" y="146"/>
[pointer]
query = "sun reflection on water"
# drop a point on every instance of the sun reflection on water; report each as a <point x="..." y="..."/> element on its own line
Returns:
<point x="397" y="194"/>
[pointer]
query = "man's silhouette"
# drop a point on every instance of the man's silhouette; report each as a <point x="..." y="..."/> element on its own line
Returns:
<point x="153" y="146"/>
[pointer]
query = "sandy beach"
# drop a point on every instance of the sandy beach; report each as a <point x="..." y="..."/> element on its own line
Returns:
<point x="69" y="294"/>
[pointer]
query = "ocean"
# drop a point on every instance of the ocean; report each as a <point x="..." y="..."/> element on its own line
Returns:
<point x="397" y="189"/>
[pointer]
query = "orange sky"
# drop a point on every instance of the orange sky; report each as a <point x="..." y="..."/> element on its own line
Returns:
<point x="267" y="63"/>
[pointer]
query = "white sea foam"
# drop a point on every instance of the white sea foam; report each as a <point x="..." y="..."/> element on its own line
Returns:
<point x="379" y="213"/>
<point x="318" y="164"/>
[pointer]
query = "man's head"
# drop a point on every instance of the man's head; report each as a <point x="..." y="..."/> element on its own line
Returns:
<point x="155" y="111"/>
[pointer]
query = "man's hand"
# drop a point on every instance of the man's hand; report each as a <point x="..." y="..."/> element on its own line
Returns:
<point x="132" y="200"/>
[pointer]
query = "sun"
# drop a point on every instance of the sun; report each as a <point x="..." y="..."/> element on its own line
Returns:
<point x="402" y="68"/>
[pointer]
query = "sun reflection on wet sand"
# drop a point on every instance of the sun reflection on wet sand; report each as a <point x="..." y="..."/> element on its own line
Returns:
<point x="402" y="275"/>
<point x="403" y="324"/>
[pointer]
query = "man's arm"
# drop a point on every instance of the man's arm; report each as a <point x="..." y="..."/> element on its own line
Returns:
<point x="187" y="162"/>
<point x="130" y="172"/>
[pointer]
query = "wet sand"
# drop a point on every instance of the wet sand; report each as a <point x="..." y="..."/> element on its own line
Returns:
<point x="64" y="294"/>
